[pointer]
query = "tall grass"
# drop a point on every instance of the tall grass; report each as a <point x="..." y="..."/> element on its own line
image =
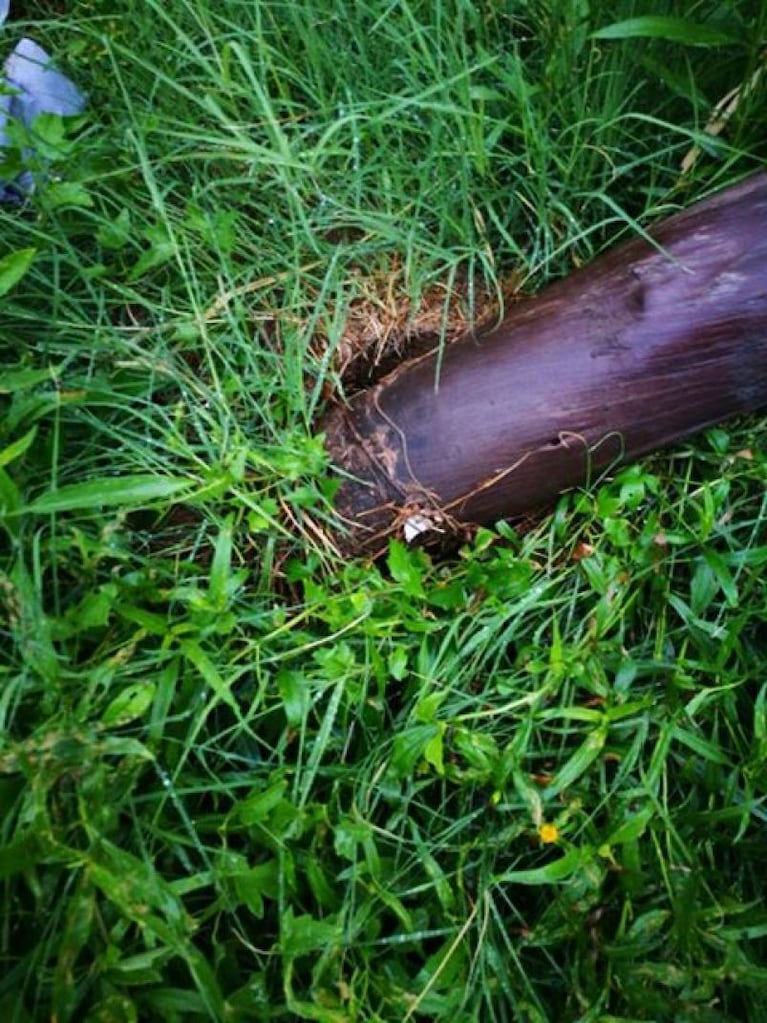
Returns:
<point x="241" y="780"/>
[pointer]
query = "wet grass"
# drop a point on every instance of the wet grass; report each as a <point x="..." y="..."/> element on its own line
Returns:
<point x="241" y="779"/>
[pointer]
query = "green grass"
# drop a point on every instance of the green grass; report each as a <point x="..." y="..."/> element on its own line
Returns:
<point x="243" y="780"/>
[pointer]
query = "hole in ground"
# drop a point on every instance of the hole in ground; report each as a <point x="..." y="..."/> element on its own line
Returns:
<point x="385" y="325"/>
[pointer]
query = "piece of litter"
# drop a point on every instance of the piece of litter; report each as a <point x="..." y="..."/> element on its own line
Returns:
<point x="415" y="525"/>
<point x="32" y="86"/>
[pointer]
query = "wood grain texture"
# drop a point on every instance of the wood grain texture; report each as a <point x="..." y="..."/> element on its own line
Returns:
<point x="646" y="345"/>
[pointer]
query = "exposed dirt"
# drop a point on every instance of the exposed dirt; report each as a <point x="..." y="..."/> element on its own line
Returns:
<point x="385" y="325"/>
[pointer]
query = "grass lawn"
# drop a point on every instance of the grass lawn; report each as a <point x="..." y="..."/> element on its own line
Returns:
<point x="242" y="779"/>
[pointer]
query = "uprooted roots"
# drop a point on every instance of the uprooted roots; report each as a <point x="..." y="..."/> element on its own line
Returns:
<point x="386" y="325"/>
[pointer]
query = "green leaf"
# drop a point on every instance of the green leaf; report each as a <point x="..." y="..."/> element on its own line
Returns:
<point x="194" y="653"/>
<point x="49" y="136"/>
<point x="433" y="751"/>
<point x="348" y="834"/>
<point x="114" y="1009"/>
<point x="142" y="968"/>
<point x="255" y="884"/>
<point x="478" y="749"/>
<point x="409" y="746"/>
<point x="92" y="612"/>
<point x="160" y="251"/>
<point x="675" y="30"/>
<point x="713" y="629"/>
<point x="397" y="663"/>
<point x="132" y="703"/>
<point x="553" y="873"/>
<point x="294" y="692"/>
<point x="426" y="709"/>
<point x="648" y="925"/>
<point x="10" y="502"/>
<point x="121" y="746"/>
<point x="406" y="568"/>
<point x="579" y="762"/>
<point x="705" y="749"/>
<point x="257" y="807"/>
<point x="18" y="447"/>
<point x="67" y="193"/>
<point x="303" y="934"/>
<point x="136" y="887"/>
<point x="25" y="379"/>
<point x="13" y="267"/>
<point x="632" y="829"/>
<point x="220" y="582"/>
<point x="703" y="588"/>
<point x="21" y="855"/>
<point x="115" y="234"/>
<point x="722" y="574"/>
<point x="78" y="925"/>
<point x="102" y="493"/>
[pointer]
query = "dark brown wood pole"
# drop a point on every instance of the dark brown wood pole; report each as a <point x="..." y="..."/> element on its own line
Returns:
<point x="647" y="344"/>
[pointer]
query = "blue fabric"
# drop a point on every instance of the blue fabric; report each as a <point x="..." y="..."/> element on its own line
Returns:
<point x="31" y="86"/>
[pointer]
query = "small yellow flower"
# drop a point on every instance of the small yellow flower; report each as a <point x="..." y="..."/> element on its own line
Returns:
<point x="548" y="833"/>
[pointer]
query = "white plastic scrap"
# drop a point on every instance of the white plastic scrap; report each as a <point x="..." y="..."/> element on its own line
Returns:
<point x="29" y="86"/>
<point x="416" y="525"/>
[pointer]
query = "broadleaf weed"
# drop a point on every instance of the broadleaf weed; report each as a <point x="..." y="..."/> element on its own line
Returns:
<point x="242" y="779"/>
